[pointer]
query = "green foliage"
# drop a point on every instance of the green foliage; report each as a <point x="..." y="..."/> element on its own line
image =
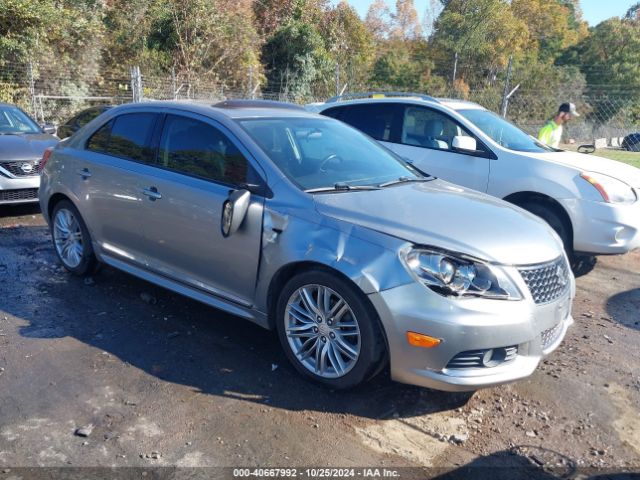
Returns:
<point x="294" y="58"/>
<point x="609" y="58"/>
<point x="406" y="66"/>
<point x="484" y="33"/>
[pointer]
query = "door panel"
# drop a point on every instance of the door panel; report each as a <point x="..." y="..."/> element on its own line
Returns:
<point x="466" y="170"/>
<point x="110" y="187"/>
<point x="196" y="164"/>
<point x="186" y="241"/>
<point x="112" y="199"/>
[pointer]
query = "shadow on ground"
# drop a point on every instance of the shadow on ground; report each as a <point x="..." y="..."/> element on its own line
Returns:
<point x="537" y="463"/>
<point x="8" y="211"/>
<point x="182" y="341"/>
<point x="624" y="307"/>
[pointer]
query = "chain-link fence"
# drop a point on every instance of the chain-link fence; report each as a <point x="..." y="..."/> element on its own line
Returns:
<point x="52" y="96"/>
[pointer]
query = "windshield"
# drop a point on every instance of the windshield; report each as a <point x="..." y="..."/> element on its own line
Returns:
<point x="503" y="132"/>
<point x="320" y="153"/>
<point x="15" y="121"/>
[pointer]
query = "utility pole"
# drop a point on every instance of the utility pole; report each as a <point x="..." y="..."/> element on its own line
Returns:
<point x="174" y="84"/>
<point x="455" y="69"/>
<point x="32" y="91"/>
<point x="136" y="85"/>
<point x="251" y="87"/>
<point x="506" y="94"/>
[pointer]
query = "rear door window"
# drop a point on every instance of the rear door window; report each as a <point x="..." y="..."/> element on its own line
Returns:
<point x="378" y="120"/>
<point x="100" y="139"/>
<point x="127" y="136"/>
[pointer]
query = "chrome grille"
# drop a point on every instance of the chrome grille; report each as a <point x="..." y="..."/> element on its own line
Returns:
<point x="549" y="336"/>
<point x="546" y="282"/>
<point x="475" y="358"/>
<point x="18" y="195"/>
<point x="22" y="168"/>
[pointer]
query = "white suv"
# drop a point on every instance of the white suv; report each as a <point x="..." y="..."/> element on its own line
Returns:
<point x="591" y="202"/>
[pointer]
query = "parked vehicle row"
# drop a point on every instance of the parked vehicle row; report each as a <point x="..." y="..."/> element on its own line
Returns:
<point x="341" y="231"/>
<point x="305" y="225"/>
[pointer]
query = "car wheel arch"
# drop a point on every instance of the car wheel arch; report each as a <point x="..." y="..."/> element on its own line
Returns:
<point x="524" y="197"/>
<point x="54" y="200"/>
<point x="288" y="271"/>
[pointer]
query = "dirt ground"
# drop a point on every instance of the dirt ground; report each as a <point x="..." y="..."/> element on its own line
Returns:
<point x="156" y="379"/>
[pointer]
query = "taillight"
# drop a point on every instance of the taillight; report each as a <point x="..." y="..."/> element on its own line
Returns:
<point x="45" y="157"/>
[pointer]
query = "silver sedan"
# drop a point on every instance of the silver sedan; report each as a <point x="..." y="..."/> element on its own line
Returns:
<point x="304" y="225"/>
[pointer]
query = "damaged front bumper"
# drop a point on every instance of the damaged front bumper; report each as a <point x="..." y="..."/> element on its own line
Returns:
<point x="483" y="342"/>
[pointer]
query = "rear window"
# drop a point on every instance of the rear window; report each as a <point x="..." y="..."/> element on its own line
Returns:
<point x="378" y="120"/>
<point x="127" y="136"/>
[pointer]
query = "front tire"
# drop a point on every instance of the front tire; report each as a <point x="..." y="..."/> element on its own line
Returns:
<point x="328" y="330"/>
<point x="71" y="239"/>
<point x="580" y="264"/>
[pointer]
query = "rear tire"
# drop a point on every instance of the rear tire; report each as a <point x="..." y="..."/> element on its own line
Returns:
<point x="71" y="239"/>
<point x="337" y="342"/>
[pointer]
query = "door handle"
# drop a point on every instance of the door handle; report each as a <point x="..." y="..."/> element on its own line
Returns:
<point x="84" y="173"/>
<point x="152" y="193"/>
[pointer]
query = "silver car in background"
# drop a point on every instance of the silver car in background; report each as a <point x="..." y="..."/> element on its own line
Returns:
<point x="304" y="225"/>
<point x="22" y="143"/>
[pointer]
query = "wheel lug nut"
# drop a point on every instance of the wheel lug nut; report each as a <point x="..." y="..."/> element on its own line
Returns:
<point x="332" y="335"/>
<point x="315" y="329"/>
<point x="323" y="338"/>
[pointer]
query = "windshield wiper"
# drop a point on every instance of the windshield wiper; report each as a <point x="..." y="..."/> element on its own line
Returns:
<point x="12" y="133"/>
<point x="342" y="187"/>
<point x="405" y="180"/>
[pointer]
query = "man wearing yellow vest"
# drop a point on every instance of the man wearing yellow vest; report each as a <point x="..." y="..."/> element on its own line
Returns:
<point x="551" y="133"/>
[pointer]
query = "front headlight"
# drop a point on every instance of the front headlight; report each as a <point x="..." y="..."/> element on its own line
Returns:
<point x="611" y="189"/>
<point x="452" y="275"/>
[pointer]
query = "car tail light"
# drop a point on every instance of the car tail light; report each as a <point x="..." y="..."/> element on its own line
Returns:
<point x="45" y="157"/>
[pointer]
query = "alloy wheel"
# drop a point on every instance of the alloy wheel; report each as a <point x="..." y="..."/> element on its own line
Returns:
<point x="67" y="237"/>
<point x="322" y="331"/>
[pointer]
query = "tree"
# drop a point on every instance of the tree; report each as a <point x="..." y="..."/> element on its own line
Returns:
<point x="406" y="66"/>
<point x="405" y="24"/>
<point x="609" y="58"/>
<point x="549" y="26"/>
<point x="349" y="43"/>
<point x="272" y="14"/>
<point x="484" y="33"/>
<point x="294" y="58"/>
<point x="633" y="12"/>
<point x="215" y="40"/>
<point x="378" y="19"/>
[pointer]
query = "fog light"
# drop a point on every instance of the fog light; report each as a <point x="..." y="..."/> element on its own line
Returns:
<point x="422" y="340"/>
<point x="494" y="357"/>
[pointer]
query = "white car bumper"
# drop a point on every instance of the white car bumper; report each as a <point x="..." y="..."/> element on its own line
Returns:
<point x="604" y="228"/>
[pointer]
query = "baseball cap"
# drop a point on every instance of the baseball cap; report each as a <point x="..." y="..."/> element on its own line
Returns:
<point x="569" y="108"/>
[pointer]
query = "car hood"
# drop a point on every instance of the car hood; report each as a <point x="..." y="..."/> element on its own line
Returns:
<point x="439" y="214"/>
<point x="592" y="163"/>
<point x="28" y="146"/>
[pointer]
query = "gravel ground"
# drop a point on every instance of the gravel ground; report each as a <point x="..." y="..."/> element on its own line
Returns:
<point x="154" y="379"/>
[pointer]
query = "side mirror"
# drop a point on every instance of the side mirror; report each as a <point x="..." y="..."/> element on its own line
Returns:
<point x="464" y="142"/>
<point x="234" y="210"/>
<point x="49" y="128"/>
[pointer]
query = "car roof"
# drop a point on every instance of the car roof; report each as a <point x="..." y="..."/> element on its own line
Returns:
<point x="453" y="103"/>
<point x="458" y="104"/>
<point x="234" y="109"/>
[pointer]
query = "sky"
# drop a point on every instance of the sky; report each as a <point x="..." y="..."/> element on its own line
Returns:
<point x="594" y="11"/>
